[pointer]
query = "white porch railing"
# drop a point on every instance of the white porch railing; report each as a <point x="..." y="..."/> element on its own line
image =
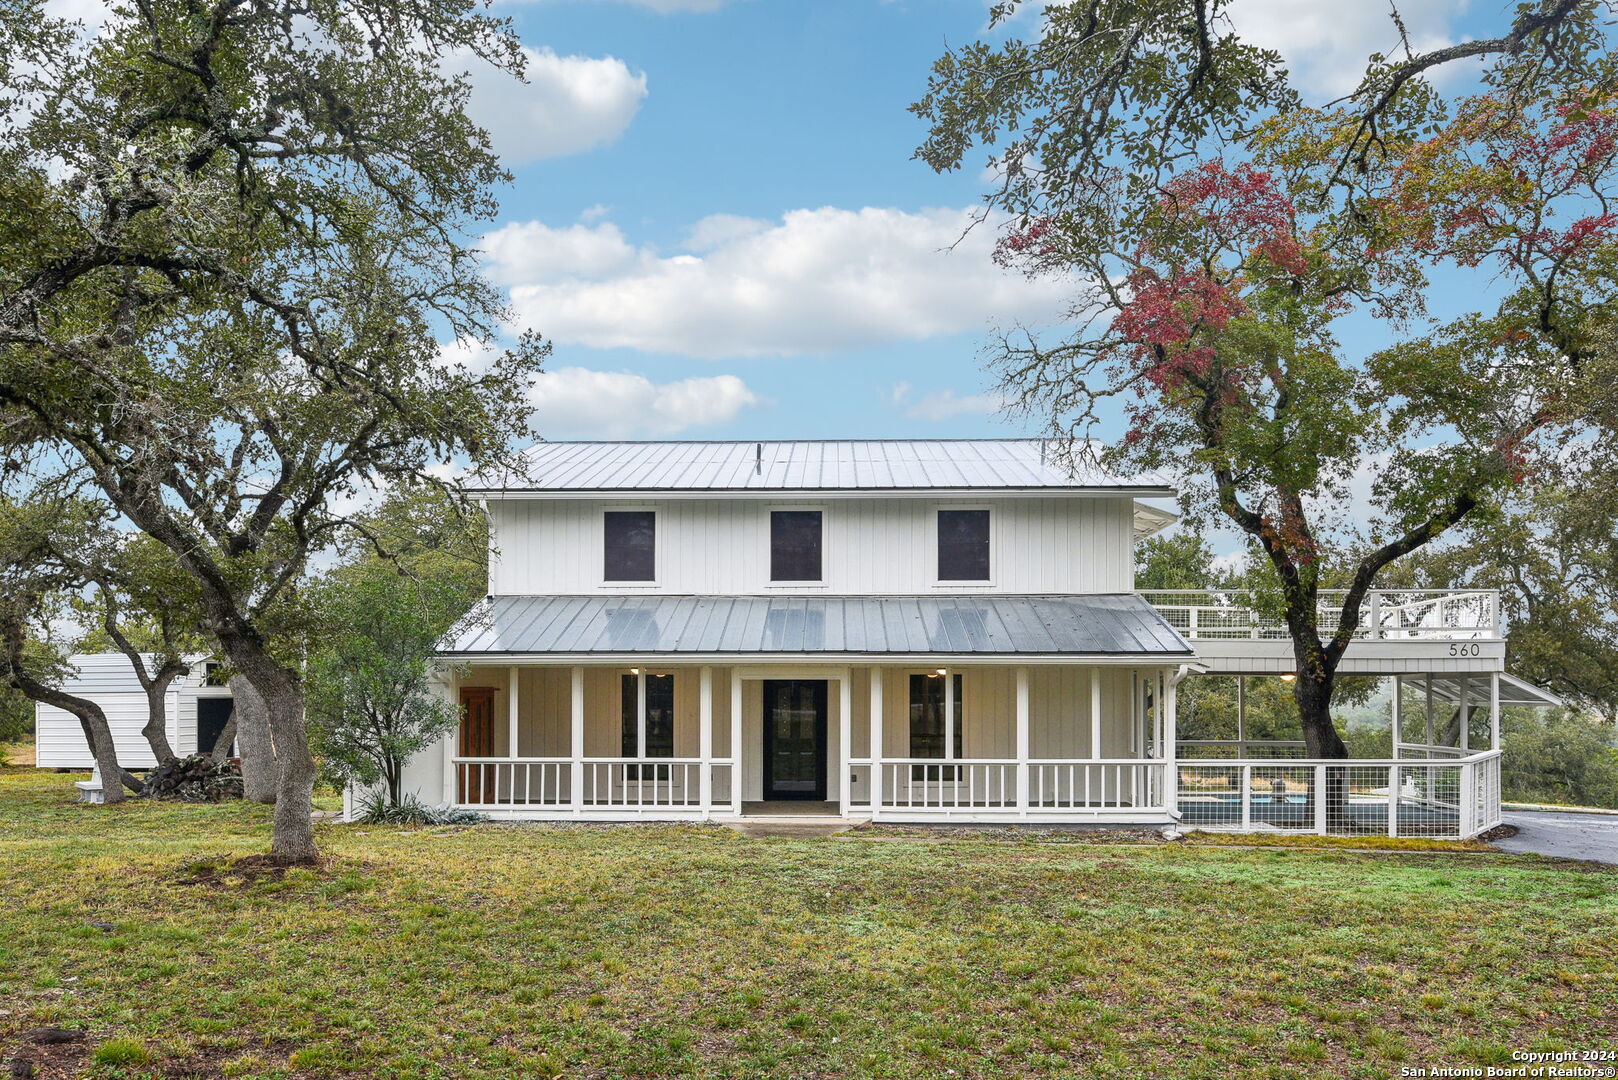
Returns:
<point x="1451" y="799"/>
<point x="610" y="784"/>
<point x="1385" y="614"/>
<point x="1208" y="749"/>
<point x="961" y="787"/>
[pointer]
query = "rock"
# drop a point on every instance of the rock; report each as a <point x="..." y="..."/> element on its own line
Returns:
<point x="50" y="1036"/>
<point x="104" y="926"/>
<point x="21" y="1069"/>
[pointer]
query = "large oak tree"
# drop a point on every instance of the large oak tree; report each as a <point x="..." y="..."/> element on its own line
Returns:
<point x="1222" y="230"/>
<point x="231" y="232"/>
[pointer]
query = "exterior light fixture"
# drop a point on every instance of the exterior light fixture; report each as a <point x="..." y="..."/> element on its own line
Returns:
<point x="634" y="671"/>
<point x="1288" y="677"/>
<point x="942" y="671"/>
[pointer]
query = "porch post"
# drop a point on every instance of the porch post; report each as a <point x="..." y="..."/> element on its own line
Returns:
<point x="736" y="741"/>
<point x="876" y="741"/>
<point x="1466" y="710"/>
<point x="1095" y="714"/>
<point x="1431" y="735"/>
<point x="1022" y="742"/>
<point x="705" y="739"/>
<point x="1171" y="739"/>
<point x="511" y="713"/>
<point x="1398" y="713"/>
<point x="845" y="736"/>
<point x="577" y="744"/>
<point x="1494" y="710"/>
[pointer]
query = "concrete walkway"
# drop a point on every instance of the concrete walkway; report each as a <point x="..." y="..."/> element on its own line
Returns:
<point x="1593" y="837"/>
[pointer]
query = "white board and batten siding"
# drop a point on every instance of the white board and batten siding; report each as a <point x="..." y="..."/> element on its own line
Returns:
<point x="875" y="546"/>
<point x="109" y="681"/>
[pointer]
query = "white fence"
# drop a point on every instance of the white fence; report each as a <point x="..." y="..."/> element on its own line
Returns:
<point x="1385" y="614"/>
<point x="1452" y="799"/>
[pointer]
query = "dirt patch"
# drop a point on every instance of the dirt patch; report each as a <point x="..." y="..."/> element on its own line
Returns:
<point x="1499" y="832"/>
<point x="48" y="1054"/>
<point x="243" y="873"/>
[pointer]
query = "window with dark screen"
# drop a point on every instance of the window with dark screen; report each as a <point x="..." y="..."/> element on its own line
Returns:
<point x="963" y="545"/>
<point x="631" y="545"/>
<point x="795" y="545"/>
<point x="928" y="735"/>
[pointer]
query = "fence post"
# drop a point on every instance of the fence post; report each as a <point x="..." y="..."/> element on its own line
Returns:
<point x="1320" y="799"/>
<point x="1247" y="798"/>
<point x="1376" y="616"/>
<point x="1393" y="800"/>
<point x="1468" y="798"/>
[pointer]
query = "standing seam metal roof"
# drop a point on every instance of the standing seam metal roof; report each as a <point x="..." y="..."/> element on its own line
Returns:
<point x="806" y="465"/>
<point x="1098" y="624"/>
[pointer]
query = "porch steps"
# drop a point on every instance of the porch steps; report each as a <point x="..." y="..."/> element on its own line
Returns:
<point x="806" y="826"/>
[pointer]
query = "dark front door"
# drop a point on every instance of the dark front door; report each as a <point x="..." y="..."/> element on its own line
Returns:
<point x="795" y="739"/>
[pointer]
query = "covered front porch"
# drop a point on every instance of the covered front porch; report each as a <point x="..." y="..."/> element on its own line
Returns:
<point x="905" y="739"/>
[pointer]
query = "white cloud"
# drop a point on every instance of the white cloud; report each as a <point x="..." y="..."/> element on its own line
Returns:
<point x="579" y="402"/>
<point x="1326" y="42"/>
<point x="529" y="251"/>
<point x="816" y="280"/>
<point x="569" y="104"/>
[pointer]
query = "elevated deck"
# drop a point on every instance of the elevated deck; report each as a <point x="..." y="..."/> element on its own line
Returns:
<point x="1400" y="631"/>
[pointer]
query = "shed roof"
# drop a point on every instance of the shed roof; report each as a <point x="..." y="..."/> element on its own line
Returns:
<point x="874" y="465"/>
<point x="1119" y="624"/>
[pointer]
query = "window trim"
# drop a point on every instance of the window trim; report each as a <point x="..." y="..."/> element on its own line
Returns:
<point x="822" y="582"/>
<point x="951" y="743"/>
<point x="656" y="579"/>
<point x="932" y="535"/>
<point x="640" y="676"/>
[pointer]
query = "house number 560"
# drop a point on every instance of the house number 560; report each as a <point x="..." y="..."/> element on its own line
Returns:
<point x="1465" y="648"/>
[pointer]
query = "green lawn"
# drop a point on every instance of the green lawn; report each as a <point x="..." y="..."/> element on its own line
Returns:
<point x="496" y="951"/>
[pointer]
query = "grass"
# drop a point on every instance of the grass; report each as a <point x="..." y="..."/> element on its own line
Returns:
<point x="652" y="951"/>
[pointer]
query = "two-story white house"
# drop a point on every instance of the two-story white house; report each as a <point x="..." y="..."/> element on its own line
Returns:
<point x="901" y="631"/>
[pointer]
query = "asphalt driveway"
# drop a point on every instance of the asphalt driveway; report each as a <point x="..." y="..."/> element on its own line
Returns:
<point x="1566" y="836"/>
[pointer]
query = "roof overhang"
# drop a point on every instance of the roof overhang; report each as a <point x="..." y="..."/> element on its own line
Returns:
<point x="1514" y="692"/>
<point x="501" y="494"/>
<point x="725" y="629"/>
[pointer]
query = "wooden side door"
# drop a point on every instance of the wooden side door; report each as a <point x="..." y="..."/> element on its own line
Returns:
<point x="476" y="739"/>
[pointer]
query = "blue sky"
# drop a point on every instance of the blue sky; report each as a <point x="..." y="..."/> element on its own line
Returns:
<point x="716" y="218"/>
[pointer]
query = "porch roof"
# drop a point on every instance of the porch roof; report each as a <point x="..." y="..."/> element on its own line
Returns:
<point x="1119" y="624"/>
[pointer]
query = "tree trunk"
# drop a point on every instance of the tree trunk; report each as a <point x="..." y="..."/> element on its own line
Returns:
<point x="157" y="715"/>
<point x="97" y="734"/>
<point x="260" y="767"/>
<point x="220" y="750"/>
<point x="277" y="692"/>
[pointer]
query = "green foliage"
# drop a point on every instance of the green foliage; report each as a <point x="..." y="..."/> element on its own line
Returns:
<point x="369" y="684"/>
<point x="1178" y="560"/>
<point x="412" y="811"/>
<point x="1558" y="756"/>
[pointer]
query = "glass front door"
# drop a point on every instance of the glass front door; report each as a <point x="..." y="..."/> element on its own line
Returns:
<point x="795" y="739"/>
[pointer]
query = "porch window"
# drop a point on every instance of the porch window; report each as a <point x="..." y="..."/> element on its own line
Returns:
<point x="932" y="697"/>
<point x="963" y="545"/>
<point x="648" y="717"/>
<point x="795" y="545"/>
<point x="631" y="545"/>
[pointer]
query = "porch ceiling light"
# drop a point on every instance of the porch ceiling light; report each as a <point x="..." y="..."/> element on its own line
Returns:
<point x="634" y="671"/>
<point x="941" y="671"/>
<point x="1288" y="677"/>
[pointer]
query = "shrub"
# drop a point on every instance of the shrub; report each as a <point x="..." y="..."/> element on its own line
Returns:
<point x="409" y="810"/>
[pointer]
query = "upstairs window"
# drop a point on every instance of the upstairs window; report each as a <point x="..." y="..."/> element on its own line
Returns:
<point x="963" y="545"/>
<point x="795" y="545"/>
<point x="631" y="545"/>
<point x="932" y="698"/>
<point x="647" y="709"/>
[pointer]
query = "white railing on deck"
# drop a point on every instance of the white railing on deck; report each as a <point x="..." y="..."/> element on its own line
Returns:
<point x="1385" y="614"/>
<point x="1450" y="799"/>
